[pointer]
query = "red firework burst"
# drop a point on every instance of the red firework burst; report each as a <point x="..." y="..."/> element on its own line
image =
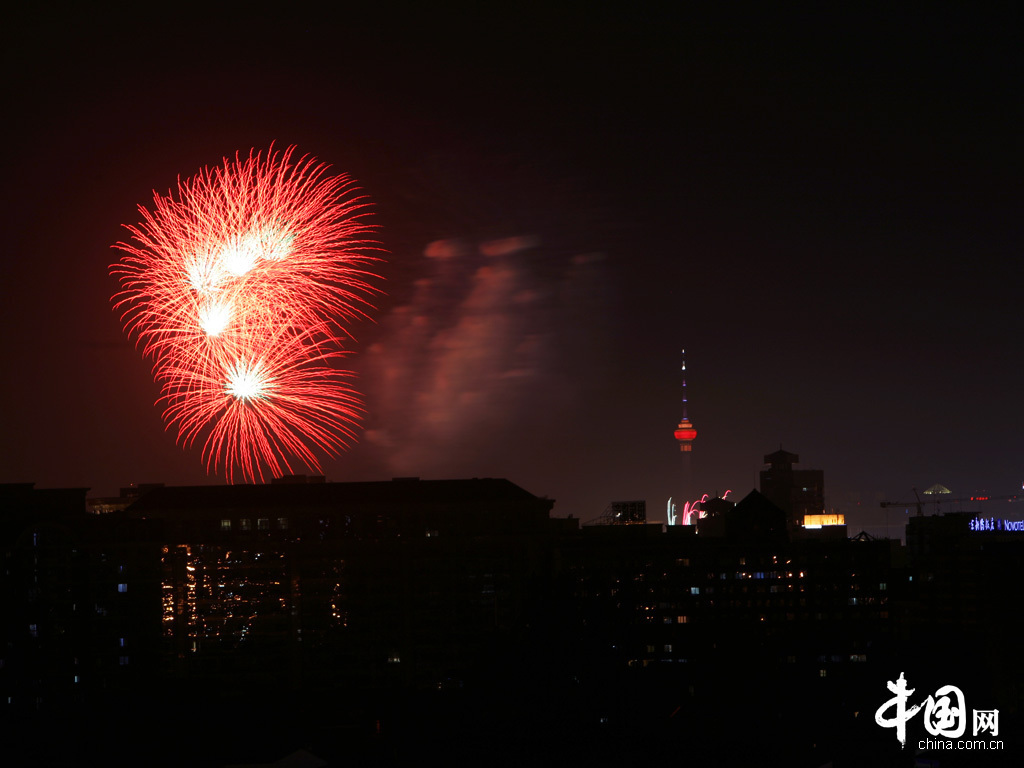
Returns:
<point x="238" y="289"/>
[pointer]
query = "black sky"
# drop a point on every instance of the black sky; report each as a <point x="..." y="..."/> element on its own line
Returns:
<point x="821" y="205"/>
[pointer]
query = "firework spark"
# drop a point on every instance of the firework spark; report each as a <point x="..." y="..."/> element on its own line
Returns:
<point x="238" y="289"/>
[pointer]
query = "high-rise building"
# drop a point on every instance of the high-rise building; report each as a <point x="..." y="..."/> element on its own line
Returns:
<point x="797" y="492"/>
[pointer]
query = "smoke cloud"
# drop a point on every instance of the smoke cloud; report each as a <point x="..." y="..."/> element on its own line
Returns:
<point x="487" y="338"/>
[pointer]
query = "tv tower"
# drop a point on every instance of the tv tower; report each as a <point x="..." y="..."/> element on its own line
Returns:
<point x="685" y="432"/>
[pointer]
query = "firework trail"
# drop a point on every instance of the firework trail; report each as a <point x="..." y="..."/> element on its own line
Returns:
<point x="238" y="289"/>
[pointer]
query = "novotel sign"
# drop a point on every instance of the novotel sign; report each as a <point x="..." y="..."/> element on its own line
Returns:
<point x="996" y="524"/>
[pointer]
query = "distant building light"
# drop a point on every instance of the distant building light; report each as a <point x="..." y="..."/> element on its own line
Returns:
<point x="820" y="521"/>
<point x="225" y="525"/>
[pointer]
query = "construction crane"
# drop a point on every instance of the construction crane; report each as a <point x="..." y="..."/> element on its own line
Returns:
<point x="943" y="500"/>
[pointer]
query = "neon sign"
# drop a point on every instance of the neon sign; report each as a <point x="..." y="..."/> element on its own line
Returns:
<point x="996" y="524"/>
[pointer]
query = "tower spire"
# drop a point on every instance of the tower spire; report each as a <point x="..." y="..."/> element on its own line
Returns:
<point x="685" y="432"/>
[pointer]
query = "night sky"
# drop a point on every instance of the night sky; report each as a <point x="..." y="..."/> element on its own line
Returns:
<point x="823" y="207"/>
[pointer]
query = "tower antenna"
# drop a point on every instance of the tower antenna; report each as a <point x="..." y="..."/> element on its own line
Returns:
<point x="685" y="433"/>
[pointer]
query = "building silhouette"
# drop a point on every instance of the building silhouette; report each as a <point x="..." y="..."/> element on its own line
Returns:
<point x="366" y="620"/>
<point x="797" y="492"/>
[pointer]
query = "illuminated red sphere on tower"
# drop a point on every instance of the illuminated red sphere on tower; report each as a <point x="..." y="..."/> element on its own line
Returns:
<point x="685" y="434"/>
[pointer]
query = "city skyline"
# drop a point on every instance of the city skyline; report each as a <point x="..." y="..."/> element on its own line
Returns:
<point x="374" y="621"/>
<point x="821" y="208"/>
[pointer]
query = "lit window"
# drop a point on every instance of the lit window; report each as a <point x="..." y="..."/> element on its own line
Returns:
<point x="263" y="524"/>
<point x="650" y="649"/>
<point x="668" y="649"/>
<point x="694" y="590"/>
<point x="883" y="586"/>
<point x="225" y="525"/>
<point x="120" y="642"/>
<point x="33" y="630"/>
<point x="245" y="524"/>
<point x="122" y="587"/>
<point x="666" y="620"/>
<point x="123" y="660"/>
<point x="681" y="619"/>
<point x="282" y="523"/>
<point x="822" y="673"/>
<point x="394" y="659"/>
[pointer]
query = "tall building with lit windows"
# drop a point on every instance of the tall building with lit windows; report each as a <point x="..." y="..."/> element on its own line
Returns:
<point x="797" y="492"/>
<point x="80" y="595"/>
<point x="312" y="584"/>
